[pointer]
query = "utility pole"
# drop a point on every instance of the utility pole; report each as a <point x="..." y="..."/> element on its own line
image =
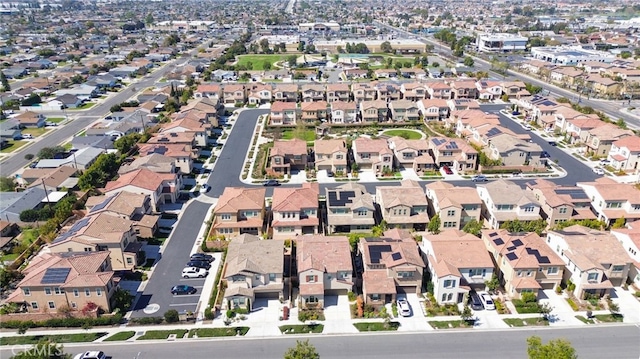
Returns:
<point x="46" y="193"/>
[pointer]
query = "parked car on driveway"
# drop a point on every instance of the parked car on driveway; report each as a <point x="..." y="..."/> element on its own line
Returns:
<point x="183" y="289"/>
<point x="598" y="171"/>
<point x="487" y="302"/>
<point x="479" y="178"/>
<point x="199" y="264"/>
<point x="474" y="300"/>
<point x="271" y="182"/>
<point x="192" y="272"/>
<point x="447" y="170"/>
<point x="403" y="308"/>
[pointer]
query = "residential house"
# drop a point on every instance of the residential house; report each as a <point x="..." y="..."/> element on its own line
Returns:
<point x="234" y="94"/>
<point x="31" y="119"/>
<point x="350" y="209"/>
<point x="611" y="200"/>
<point x="578" y="128"/>
<point x="566" y="76"/>
<point x="595" y="260"/>
<point x="403" y="206"/>
<point x="438" y="90"/>
<point x="338" y="92"/>
<point x="392" y="265"/>
<point x="513" y="151"/>
<point x="331" y="155"/>
<point x="514" y="89"/>
<point x="403" y="111"/>
<point x="54" y="283"/>
<point x="625" y="154"/>
<point x="506" y="201"/>
<point x="313" y="112"/>
<point x="324" y="269"/>
<point x="181" y="153"/>
<point x="161" y="187"/>
<point x="54" y="179"/>
<point x="283" y="114"/>
<point x="135" y="207"/>
<point x="413" y="91"/>
<point x="406" y="152"/>
<point x="458" y="263"/>
<point x="433" y="109"/>
<point x="101" y="232"/>
<point x="201" y="130"/>
<point x="455" y="206"/>
<point x="453" y="152"/>
<point x="253" y="269"/>
<point x="372" y="154"/>
<point x="387" y="91"/>
<point x="373" y="111"/>
<point x="488" y="90"/>
<point x="260" y="94"/>
<point x="630" y="240"/>
<point x="155" y="162"/>
<point x="601" y="139"/>
<point x="563" y="114"/>
<point x="344" y="112"/>
<point x="464" y="89"/>
<point x="295" y="211"/>
<point x="209" y="90"/>
<point x="288" y="155"/>
<point x="465" y="121"/>
<point x="239" y="211"/>
<point x="285" y="92"/>
<point x="364" y="92"/>
<point x="524" y="262"/>
<point x="312" y="93"/>
<point x="560" y="203"/>
<point x="603" y="86"/>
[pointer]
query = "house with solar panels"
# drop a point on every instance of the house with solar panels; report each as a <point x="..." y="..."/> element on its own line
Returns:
<point x="524" y="261"/>
<point x="560" y="203"/>
<point x="506" y="201"/>
<point x="101" y="232"/>
<point x="349" y="209"/>
<point x="55" y="281"/>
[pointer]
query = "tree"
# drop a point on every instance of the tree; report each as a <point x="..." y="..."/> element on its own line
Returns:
<point x="302" y="350"/>
<point x="292" y="60"/>
<point x="7" y="184"/>
<point x="264" y="45"/>
<point x="50" y="152"/>
<point x="43" y="350"/>
<point x="619" y="223"/>
<point x="386" y="47"/>
<point x="545" y="309"/>
<point x="557" y="349"/>
<point x="473" y="227"/>
<point x="171" y="316"/>
<point x="4" y="82"/>
<point x="434" y="224"/>
<point x="379" y="229"/>
<point x="468" y="61"/>
<point x="466" y="313"/>
<point x="125" y="143"/>
<point x="493" y="283"/>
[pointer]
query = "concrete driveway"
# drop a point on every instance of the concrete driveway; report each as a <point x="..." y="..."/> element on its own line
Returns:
<point x="488" y="319"/>
<point x="337" y="315"/>
<point x="562" y="314"/>
<point x="322" y="177"/>
<point x="264" y="319"/>
<point x="629" y="305"/>
<point x="367" y="176"/>
<point x="415" y="322"/>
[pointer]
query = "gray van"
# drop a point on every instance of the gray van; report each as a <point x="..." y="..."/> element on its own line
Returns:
<point x="474" y="301"/>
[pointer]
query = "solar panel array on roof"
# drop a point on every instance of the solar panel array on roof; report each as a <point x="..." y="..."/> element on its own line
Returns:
<point x="574" y="193"/>
<point x="451" y="146"/>
<point x="517" y="242"/>
<point x="340" y="198"/>
<point x="512" y="248"/>
<point x="536" y="253"/>
<point x="55" y="275"/>
<point x="375" y="252"/>
<point x="396" y="256"/>
<point x="494" y="131"/>
<point x="100" y="206"/>
<point x="493" y="234"/>
<point x="511" y="256"/>
<point x="74" y="229"/>
<point x="498" y="241"/>
<point x="548" y="103"/>
<point x="438" y="141"/>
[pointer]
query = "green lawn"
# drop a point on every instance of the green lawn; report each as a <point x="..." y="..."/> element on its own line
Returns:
<point x="35" y="132"/>
<point x="308" y="135"/>
<point x="525" y="322"/>
<point x="9" y="257"/>
<point x="67" y="146"/>
<point x="29" y="235"/>
<point x="163" y="334"/>
<point x="13" y="145"/>
<point x="376" y="326"/>
<point x="84" y="106"/>
<point x="121" y="336"/>
<point x="257" y="61"/>
<point x="55" y="119"/>
<point x="301" y="329"/>
<point x="60" y="338"/>
<point x="601" y="318"/>
<point x="406" y="134"/>
<point x="218" y="332"/>
<point x="449" y="324"/>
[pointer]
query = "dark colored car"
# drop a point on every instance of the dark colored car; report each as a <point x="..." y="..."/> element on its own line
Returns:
<point x="199" y="264"/>
<point x="553" y="143"/>
<point x="271" y="182"/>
<point x="183" y="289"/>
<point x="330" y="174"/>
<point x="475" y="302"/>
<point x="202" y="257"/>
<point x="447" y="170"/>
<point x="545" y="154"/>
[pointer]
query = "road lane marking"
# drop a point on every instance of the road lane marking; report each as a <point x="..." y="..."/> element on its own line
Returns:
<point x="181" y="305"/>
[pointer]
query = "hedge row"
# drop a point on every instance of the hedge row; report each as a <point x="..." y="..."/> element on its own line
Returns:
<point x="63" y="322"/>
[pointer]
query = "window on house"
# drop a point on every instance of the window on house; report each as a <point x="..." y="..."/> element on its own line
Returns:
<point x="519" y="273"/>
<point x="311" y="299"/>
<point x="272" y="277"/>
<point x="129" y="260"/>
<point x="592" y="277"/>
<point x="562" y="210"/>
<point x="34" y="305"/>
<point x="87" y="292"/>
<point x="552" y="270"/>
<point x="450" y="225"/>
<point x="76" y="293"/>
<point x="74" y="305"/>
<point x="312" y="278"/>
<point x="529" y="209"/>
<point x="362" y="213"/>
<point x="448" y="283"/>
<point x="225" y="217"/>
<point x="375" y="296"/>
<point x="444" y="297"/>
<point x="98" y="292"/>
<point x="476" y="272"/>
<point x="26" y="291"/>
<point x="451" y="213"/>
<point x="47" y="291"/>
<point x="52" y="305"/>
<point x="617" y="268"/>
<point x="58" y="291"/>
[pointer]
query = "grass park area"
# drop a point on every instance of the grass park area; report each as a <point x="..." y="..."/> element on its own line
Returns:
<point x="121" y="336"/>
<point x="163" y="334"/>
<point x="308" y="135"/>
<point x="55" y="119"/>
<point x="13" y="145"/>
<point x="35" y="132"/>
<point x="60" y="338"/>
<point x="257" y="61"/>
<point x="406" y="134"/>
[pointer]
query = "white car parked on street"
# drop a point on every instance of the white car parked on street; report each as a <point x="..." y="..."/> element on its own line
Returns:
<point x="193" y="272"/>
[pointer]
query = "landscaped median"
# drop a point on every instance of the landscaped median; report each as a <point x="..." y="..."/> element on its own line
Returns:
<point x="450" y="324"/>
<point x="218" y="332"/>
<point x="301" y="329"/>
<point x="377" y="326"/>
<point x="60" y="338"/>
<point x="163" y="334"/>
<point x="526" y="322"/>
<point x="120" y="336"/>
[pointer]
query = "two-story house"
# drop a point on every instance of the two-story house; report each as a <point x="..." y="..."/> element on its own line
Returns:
<point x="506" y="201"/>
<point x="560" y="203"/>
<point x="330" y="155"/>
<point x="600" y="139"/>
<point x="578" y="128"/>
<point x="312" y="93"/>
<point x="287" y="156"/>
<point x="350" y="209"/>
<point x="133" y="206"/>
<point x="362" y="92"/>
<point x="513" y="151"/>
<point x="438" y="90"/>
<point x="338" y="92"/>
<point x="200" y="130"/>
<point x="458" y="262"/>
<point x="374" y="111"/>
<point x="595" y="260"/>
<point x="239" y="210"/>
<point x="208" y="90"/>
<point x="455" y="206"/>
<point x="161" y="187"/>
<point x="182" y="154"/>
<point x="433" y="109"/>
<point x="283" y="114"/>
<point x="403" y="206"/>
<point x="253" y="269"/>
<point x="406" y="152"/>
<point x="625" y="154"/>
<point x="524" y="262"/>
<point x="260" y="94"/>
<point x="312" y="112"/>
<point x="404" y="110"/>
<point x="413" y="91"/>
<point x="630" y="240"/>
<point x="453" y="152"/>
<point x="387" y="91"/>
<point x="56" y="282"/>
<point x="611" y="200"/>
<point x="343" y="112"/>
<point x="372" y="154"/>
<point x="464" y="89"/>
<point x="392" y="265"/>
<point x="295" y="211"/>
<point x="234" y="94"/>
<point x="324" y="269"/>
<point x="285" y="92"/>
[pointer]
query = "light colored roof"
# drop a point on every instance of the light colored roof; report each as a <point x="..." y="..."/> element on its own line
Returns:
<point x="295" y="199"/>
<point x="401" y="195"/>
<point x="521" y="250"/>
<point x="632" y="143"/>
<point x="288" y="147"/>
<point x="453" y="196"/>
<point x="142" y="178"/>
<point x="377" y="282"/>
<point x="506" y="192"/>
<point x="330" y="254"/>
<point x="123" y="202"/>
<point x="393" y="252"/>
<point x="155" y="162"/>
<point x="367" y="145"/>
<point x="591" y="248"/>
<point x="248" y="253"/>
<point x="506" y="143"/>
<point x="329" y="146"/>
<point x="459" y="250"/>
<point x="611" y="190"/>
<point x="234" y="199"/>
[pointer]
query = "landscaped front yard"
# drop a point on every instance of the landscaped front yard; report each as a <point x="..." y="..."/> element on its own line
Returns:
<point x="60" y="338"/>
<point x="301" y="329"/>
<point x="377" y="326"/>
<point x="601" y="318"/>
<point x="163" y="334"/>
<point x="35" y="132"/>
<point x="121" y="336"/>
<point x="526" y="322"/>
<point x="450" y="324"/>
<point x="218" y="332"/>
<point x="434" y="309"/>
<point x="13" y="145"/>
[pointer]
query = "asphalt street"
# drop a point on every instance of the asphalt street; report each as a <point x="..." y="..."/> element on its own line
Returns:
<point x="619" y="342"/>
<point x="84" y="119"/>
<point x="168" y="269"/>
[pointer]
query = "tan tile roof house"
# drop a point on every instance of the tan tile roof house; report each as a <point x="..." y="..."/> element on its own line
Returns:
<point x="286" y="156"/>
<point x="295" y="211"/>
<point x="560" y="203"/>
<point x="324" y="268"/>
<point x="372" y="154"/>
<point x="330" y="155"/>
<point x="403" y="206"/>
<point x="133" y="206"/>
<point x="611" y="200"/>
<point x="350" y="208"/>
<point x="253" y="269"/>
<point x="238" y="211"/>
<point x="53" y="282"/>
<point x="505" y="201"/>
<point x="162" y="187"/>
<point x="456" y="206"/>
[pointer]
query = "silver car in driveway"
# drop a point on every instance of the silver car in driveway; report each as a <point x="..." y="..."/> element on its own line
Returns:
<point x="404" y="309"/>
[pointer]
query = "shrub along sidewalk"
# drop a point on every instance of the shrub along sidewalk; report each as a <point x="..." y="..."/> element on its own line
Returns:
<point x="61" y="338"/>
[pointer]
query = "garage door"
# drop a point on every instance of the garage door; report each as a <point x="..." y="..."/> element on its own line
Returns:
<point x="335" y="292"/>
<point x="268" y="295"/>
<point x="546" y="285"/>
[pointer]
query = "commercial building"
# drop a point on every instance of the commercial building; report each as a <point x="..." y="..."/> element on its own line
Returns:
<point x="570" y="55"/>
<point x="501" y="42"/>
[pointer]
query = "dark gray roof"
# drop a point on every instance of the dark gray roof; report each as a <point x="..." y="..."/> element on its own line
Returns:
<point x="12" y="203"/>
